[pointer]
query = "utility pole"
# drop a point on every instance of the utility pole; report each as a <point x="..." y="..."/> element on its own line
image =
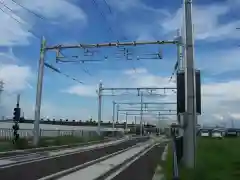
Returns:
<point x="126" y="126"/>
<point x="141" y="114"/>
<point x="190" y="130"/>
<point x="159" y="122"/>
<point x="99" y="107"/>
<point x="117" y="112"/>
<point x="113" y="114"/>
<point x="39" y="93"/>
<point x="1" y="90"/>
<point x="180" y="68"/>
<point x="18" y="100"/>
<point x="135" y="121"/>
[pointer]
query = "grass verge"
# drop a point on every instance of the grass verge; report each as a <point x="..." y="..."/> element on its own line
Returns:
<point x="217" y="159"/>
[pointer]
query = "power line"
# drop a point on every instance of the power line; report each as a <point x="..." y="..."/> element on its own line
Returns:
<point x="60" y="72"/>
<point x="109" y="8"/>
<point x="84" y="69"/>
<point x="10" y="15"/>
<point x="15" y="19"/>
<point x="103" y="15"/>
<point x="174" y="71"/>
<point x="30" y="11"/>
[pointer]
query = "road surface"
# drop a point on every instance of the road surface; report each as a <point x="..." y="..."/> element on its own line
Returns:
<point x="32" y="170"/>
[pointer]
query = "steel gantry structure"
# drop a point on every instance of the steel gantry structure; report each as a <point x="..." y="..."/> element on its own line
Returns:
<point x="116" y="105"/>
<point x="186" y="59"/>
<point x="57" y="48"/>
<point x="140" y="92"/>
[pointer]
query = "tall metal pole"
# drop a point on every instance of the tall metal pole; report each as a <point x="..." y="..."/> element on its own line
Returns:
<point x="117" y="112"/>
<point x="39" y="93"/>
<point x="1" y="90"/>
<point x="159" y="122"/>
<point x="18" y="100"/>
<point x="135" y="121"/>
<point x="190" y="131"/>
<point x="113" y="115"/>
<point x="126" y="126"/>
<point x="179" y="51"/>
<point x="180" y="67"/>
<point x="141" y="115"/>
<point x="99" y="107"/>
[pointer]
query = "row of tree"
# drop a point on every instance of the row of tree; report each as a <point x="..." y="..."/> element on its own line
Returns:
<point x="80" y="123"/>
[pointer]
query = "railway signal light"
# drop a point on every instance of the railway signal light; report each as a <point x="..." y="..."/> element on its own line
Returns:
<point x="16" y="119"/>
<point x="16" y="114"/>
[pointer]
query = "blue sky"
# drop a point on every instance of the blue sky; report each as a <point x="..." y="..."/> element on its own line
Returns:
<point x="81" y="21"/>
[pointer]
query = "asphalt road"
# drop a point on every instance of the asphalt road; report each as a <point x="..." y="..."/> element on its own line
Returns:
<point x="39" y="169"/>
<point x="144" y="167"/>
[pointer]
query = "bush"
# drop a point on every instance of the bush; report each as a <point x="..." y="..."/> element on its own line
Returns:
<point x="21" y="144"/>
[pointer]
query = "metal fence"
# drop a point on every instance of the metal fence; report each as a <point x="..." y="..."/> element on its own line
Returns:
<point x="7" y="133"/>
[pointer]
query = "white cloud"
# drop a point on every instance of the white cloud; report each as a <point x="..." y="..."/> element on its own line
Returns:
<point x="219" y="61"/>
<point x="220" y="101"/>
<point x="16" y="78"/>
<point x="8" y="57"/>
<point x="19" y="33"/>
<point x="62" y="10"/>
<point x="126" y="5"/>
<point x="207" y="24"/>
<point x="13" y="33"/>
<point x="82" y="90"/>
<point x="207" y="19"/>
<point x="136" y="71"/>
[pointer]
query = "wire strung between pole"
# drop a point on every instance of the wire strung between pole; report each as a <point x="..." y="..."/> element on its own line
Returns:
<point x="58" y="71"/>
<point x="103" y="16"/>
<point x="109" y="8"/>
<point x="174" y="71"/>
<point x="16" y="20"/>
<point x="30" y="11"/>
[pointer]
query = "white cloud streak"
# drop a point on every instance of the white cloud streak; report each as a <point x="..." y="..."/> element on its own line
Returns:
<point x="19" y="33"/>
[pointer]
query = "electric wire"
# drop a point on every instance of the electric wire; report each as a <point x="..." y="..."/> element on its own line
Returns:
<point x="60" y="72"/>
<point x="30" y="11"/>
<point x="15" y="19"/>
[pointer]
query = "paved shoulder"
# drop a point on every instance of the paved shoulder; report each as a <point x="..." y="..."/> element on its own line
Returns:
<point x="144" y="167"/>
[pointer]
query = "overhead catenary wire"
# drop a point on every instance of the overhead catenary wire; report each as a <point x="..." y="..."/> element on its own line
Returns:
<point x="109" y="8"/>
<point x="60" y="72"/>
<point x="174" y="71"/>
<point x="15" y="19"/>
<point x="105" y="18"/>
<point x="103" y="15"/>
<point x="84" y="69"/>
<point x="30" y="11"/>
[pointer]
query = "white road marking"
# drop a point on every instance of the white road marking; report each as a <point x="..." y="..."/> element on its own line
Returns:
<point x="98" y="169"/>
<point x="4" y="162"/>
<point x="128" y="164"/>
<point x="88" y="148"/>
<point x="158" y="175"/>
<point x="69" y="150"/>
<point x="164" y="154"/>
